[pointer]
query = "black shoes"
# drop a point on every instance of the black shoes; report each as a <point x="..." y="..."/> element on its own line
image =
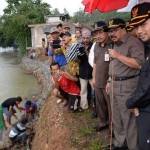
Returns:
<point x="119" y="148"/>
<point x="100" y="128"/>
<point x="78" y="110"/>
<point x="94" y="115"/>
<point x="116" y="148"/>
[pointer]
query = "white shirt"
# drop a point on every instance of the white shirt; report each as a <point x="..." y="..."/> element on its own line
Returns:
<point x="91" y="55"/>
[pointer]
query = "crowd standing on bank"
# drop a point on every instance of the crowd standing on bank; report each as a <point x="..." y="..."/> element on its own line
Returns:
<point x="108" y="70"/>
<point x="111" y="67"/>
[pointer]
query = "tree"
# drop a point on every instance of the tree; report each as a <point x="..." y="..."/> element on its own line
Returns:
<point x="18" y="15"/>
<point x="89" y="19"/>
<point x="55" y="11"/>
<point x="65" y="11"/>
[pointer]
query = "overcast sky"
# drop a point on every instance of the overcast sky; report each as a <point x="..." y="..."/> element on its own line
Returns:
<point x="71" y="5"/>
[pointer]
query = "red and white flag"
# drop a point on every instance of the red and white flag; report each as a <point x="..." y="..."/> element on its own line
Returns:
<point x="103" y="5"/>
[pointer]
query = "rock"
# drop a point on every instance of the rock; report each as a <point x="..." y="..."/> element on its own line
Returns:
<point x="40" y="69"/>
<point x="5" y="141"/>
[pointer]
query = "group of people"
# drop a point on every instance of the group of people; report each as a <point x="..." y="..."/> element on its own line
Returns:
<point x="11" y="105"/>
<point x="69" y="62"/>
<point x="111" y="64"/>
<point x="18" y="128"/>
<point x="108" y="69"/>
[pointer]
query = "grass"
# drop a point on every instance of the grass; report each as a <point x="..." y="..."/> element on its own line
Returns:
<point x="95" y="145"/>
<point x="84" y="136"/>
<point x="85" y="131"/>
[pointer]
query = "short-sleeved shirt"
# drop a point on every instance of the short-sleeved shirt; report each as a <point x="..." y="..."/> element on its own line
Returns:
<point x="131" y="47"/>
<point x="9" y="102"/>
<point x="102" y="66"/>
<point x="91" y="55"/>
<point x="85" y="70"/>
<point x="59" y="57"/>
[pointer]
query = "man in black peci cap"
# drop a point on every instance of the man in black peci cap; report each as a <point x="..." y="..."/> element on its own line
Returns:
<point x="139" y="14"/>
<point x="127" y="57"/>
<point x="140" y="20"/>
<point x="100" y="74"/>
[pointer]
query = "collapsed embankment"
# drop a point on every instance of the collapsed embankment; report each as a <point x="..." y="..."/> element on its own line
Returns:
<point x="40" y="69"/>
<point x="51" y="130"/>
<point x="56" y="128"/>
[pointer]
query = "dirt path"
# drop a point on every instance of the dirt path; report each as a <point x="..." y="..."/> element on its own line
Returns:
<point x="58" y="129"/>
<point x="52" y="132"/>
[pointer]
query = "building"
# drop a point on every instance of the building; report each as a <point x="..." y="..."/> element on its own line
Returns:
<point x="40" y="31"/>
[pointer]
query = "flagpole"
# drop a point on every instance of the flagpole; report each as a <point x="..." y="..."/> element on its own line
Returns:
<point x="112" y="104"/>
<point x="111" y="99"/>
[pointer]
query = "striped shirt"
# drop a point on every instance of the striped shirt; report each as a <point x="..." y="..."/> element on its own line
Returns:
<point x="73" y="52"/>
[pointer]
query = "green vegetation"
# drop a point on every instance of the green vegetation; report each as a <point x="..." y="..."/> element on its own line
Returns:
<point x="89" y="19"/>
<point x="83" y="135"/>
<point x="95" y="145"/>
<point x="85" y="131"/>
<point x="20" y="13"/>
<point x="17" y="16"/>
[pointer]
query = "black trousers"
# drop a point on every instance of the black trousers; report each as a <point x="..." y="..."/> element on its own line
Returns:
<point x="143" y="123"/>
<point x="74" y="102"/>
<point x="71" y="99"/>
<point x="102" y="106"/>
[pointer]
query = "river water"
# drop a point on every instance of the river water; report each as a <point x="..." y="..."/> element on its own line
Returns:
<point x="13" y="81"/>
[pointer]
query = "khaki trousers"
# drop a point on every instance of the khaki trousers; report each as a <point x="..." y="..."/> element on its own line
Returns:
<point x="124" y="122"/>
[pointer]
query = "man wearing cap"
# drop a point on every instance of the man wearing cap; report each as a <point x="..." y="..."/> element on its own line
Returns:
<point x="78" y="27"/>
<point x="66" y="28"/>
<point x="140" y="19"/>
<point x="100" y="74"/>
<point x="54" y="49"/>
<point x="127" y="57"/>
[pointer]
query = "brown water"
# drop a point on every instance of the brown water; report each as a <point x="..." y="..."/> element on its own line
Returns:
<point x="13" y="81"/>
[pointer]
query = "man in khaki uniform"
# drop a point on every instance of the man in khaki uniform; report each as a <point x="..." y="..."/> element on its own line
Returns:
<point x="100" y="74"/>
<point x="127" y="56"/>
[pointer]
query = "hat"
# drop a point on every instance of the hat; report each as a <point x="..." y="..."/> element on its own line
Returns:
<point x="101" y="25"/>
<point x="140" y="13"/>
<point x="28" y="102"/>
<point x="116" y="22"/>
<point x="78" y="25"/>
<point x="66" y="26"/>
<point x="59" y="25"/>
<point x="53" y="30"/>
<point x="66" y="34"/>
<point x="129" y="27"/>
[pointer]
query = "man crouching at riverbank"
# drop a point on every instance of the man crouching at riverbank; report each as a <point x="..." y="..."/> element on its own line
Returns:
<point x="66" y="84"/>
<point x="9" y="110"/>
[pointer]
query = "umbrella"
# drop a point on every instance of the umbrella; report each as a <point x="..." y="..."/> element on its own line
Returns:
<point x="104" y="5"/>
